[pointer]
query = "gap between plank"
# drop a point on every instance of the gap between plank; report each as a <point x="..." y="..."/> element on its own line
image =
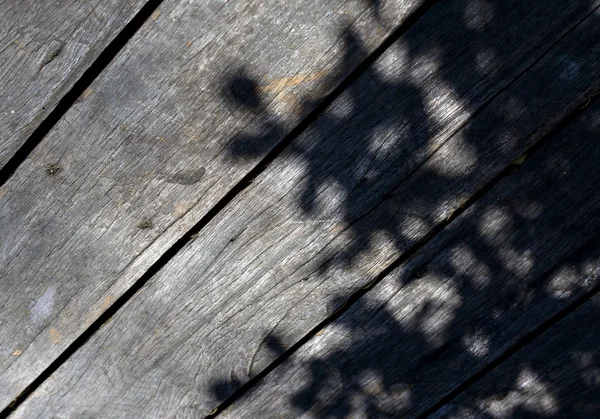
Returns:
<point x="86" y="79"/>
<point x="412" y="251"/>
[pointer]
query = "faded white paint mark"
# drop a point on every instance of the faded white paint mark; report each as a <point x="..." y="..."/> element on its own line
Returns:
<point x="42" y="309"/>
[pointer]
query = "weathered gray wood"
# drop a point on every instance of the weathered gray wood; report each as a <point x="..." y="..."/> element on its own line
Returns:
<point x="140" y="157"/>
<point x="205" y="323"/>
<point x="557" y="375"/>
<point x="45" y="46"/>
<point x="528" y="249"/>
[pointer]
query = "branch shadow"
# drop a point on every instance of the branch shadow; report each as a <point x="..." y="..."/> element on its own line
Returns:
<point x="492" y="274"/>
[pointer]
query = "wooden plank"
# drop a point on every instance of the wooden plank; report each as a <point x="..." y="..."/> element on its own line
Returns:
<point x="527" y="250"/>
<point x="201" y="327"/>
<point x="139" y="159"/>
<point x="556" y="375"/>
<point x="45" y="48"/>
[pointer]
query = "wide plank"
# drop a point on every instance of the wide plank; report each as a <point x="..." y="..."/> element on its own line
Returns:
<point x="556" y="375"/>
<point x="527" y="250"/>
<point x="139" y="158"/>
<point x="45" y="47"/>
<point x="272" y="262"/>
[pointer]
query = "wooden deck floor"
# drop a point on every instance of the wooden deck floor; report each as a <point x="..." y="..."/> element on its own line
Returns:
<point x="334" y="209"/>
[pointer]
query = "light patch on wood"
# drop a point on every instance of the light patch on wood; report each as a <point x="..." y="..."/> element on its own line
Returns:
<point x="189" y="44"/>
<point x="181" y="209"/>
<point x="98" y="310"/>
<point x="155" y="15"/>
<point x="439" y="296"/>
<point x="290" y="102"/>
<point x="43" y="306"/>
<point x="337" y="228"/>
<point x="55" y="336"/>
<point x="87" y="92"/>
<point x="530" y="393"/>
<point x="18" y="352"/>
<point x="414" y="228"/>
<point x="477" y="344"/>
<point x="3" y="192"/>
<point x="455" y="159"/>
<point x="19" y="44"/>
<point x="106" y="303"/>
<point x="279" y="85"/>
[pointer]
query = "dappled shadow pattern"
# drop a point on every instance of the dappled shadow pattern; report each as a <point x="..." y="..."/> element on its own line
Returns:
<point x="465" y="67"/>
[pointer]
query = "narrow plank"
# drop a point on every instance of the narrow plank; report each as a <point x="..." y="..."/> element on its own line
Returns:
<point x="557" y="375"/>
<point x="528" y="249"/>
<point x="45" y="47"/>
<point x="201" y="327"/>
<point x="139" y="159"/>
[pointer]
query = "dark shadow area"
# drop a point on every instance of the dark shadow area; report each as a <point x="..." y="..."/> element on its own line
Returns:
<point x="470" y="87"/>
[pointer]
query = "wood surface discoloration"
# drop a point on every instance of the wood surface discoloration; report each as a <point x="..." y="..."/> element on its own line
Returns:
<point x="186" y="177"/>
<point x="44" y="49"/>
<point x="279" y="85"/>
<point x="55" y="336"/>
<point x="426" y="127"/>
<point x="122" y="159"/>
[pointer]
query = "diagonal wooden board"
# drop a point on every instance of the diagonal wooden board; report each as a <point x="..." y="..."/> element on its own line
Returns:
<point x="140" y="158"/>
<point x="553" y="376"/>
<point x="45" y="47"/>
<point x="526" y="250"/>
<point x="204" y="324"/>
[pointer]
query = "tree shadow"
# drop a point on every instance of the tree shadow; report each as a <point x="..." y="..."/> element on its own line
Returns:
<point x="458" y="303"/>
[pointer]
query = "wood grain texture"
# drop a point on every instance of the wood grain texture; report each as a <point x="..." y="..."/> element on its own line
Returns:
<point x="526" y="250"/>
<point x="45" y="46"/>
<point x="291" y="248"/>
<point x="557" y="375"/>
<point x="140" y="158"/>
